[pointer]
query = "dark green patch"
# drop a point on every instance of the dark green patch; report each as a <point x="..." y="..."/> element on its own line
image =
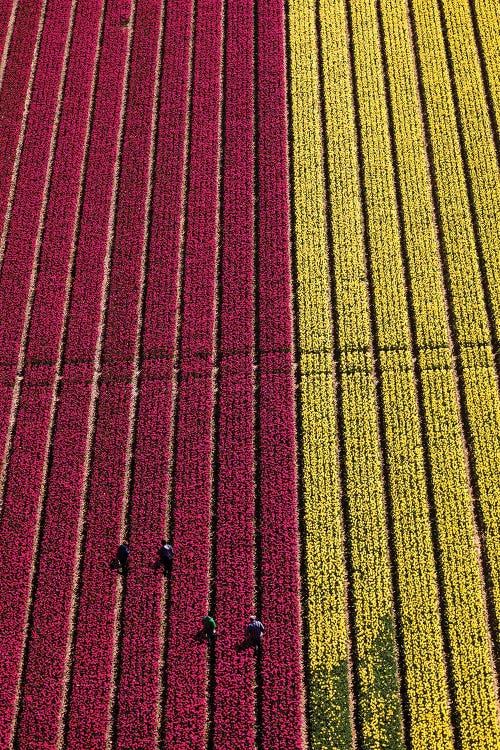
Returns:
<point x="329" y="708"/>
<point x="380" y="706"/>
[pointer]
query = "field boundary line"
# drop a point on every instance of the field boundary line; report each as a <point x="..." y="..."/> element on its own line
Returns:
<point x="8" y="37"/>
<point x="174" y="411"/>
<point x="129" y="473"/>
<point x="22" y="132"/>
<point x="54" y="405"/>
<point x="94" y="401"/>
<point x="21" y="360"/>
<point x="457" y="369"/>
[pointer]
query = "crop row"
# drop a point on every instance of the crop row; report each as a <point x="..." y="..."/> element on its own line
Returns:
<point x="451" y="496"/>
<point x="402" y="406"/>
<point x="47" y="650"/>
<point x="282" y="715"/>
<point x="462" y="208"/>
<point x="17" y="80"/>
<point x="233" y="554"/>
<point x="94" y="641"/>
<point x="186" y="659"/>
<point x="322" y="547"/>
<point x="487" y="26"/>
<point x="458" y="573"/>
<point x="22" y="490"/>
<point x="139" y="661"/>
<point x="367" y="541"/>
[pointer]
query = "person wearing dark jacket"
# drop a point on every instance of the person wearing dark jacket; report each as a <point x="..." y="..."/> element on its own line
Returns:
<point x="209" y="629"/>
<point x="122" y="556"/>
<point x="165" y="555"/>
<point x="254" y="633"/>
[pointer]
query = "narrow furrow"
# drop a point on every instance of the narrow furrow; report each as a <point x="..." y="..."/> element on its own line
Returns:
<point x="8" y="12"/>
<point x="91" y="684"/>
<point x="233" y="551"/>
<point x="282" y="709"/>
<point x="418" y="596"/>
<point x="15" y="93"/>
<point x="464" y="293"/>
<point x="368" y="542"/>
<point x="20" y="244"/>
<point x="186" y="688"/>
<point x="139" y="684"/>
<point x="21" y="507"/>
<point x="329" y="677"/>
<point x="447" y="466"/>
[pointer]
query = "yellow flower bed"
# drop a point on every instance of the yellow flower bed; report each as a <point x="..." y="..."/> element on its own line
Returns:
<point x="326" y="604"/>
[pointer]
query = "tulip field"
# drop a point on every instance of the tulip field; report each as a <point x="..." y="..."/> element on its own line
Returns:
<point x="250" y="304"/>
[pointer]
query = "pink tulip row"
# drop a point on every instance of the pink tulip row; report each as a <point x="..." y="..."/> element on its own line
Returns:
<point x="22" y="490"/>
<point x="47" y="652"/>
<point x="234" y="709"/>
<point x="185" y="708"/>
<point x="139" y="684"/>
<point x="88" y="710"/>
<point x="15" y="84"/>
<point x="282" y="680"/>
<point x="21" y="236"/>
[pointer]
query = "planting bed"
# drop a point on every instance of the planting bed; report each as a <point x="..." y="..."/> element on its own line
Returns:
<point x="249" y="303"/>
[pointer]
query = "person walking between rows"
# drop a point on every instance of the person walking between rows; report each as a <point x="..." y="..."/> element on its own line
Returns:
<point x="122" y="556"/>
<point x="165" y="557"/>
<point x="254" y="633"/>
<point x="209" y="629"/>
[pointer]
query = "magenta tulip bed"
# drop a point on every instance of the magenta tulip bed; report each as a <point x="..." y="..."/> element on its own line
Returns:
<point x="147" y="386"/>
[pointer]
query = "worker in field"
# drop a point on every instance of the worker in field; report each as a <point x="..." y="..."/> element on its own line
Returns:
<point x="254" y="633"/>
<point x="122" y="556"/>
<point x="165" y="557"/>
<point x="209" y="629"/>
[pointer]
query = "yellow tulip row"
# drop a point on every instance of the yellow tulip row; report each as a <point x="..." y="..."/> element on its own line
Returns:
<point x="430" y="723"/>
<point x="323" y="546"/>
<point x="476" y="129"/>
<point x="465" y="611"/>
<point x="488" y="25"/>
<point x="476" y="355"/>
<point x="460" y="580"/>
<point x="379" y="707"/>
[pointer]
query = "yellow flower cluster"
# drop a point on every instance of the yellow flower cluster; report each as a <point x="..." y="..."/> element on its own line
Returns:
<point x="378" y="698"/>
<point x="481" y="397"/>
<point x="488" y="22"/>
<point x="436" y="561"/>
<point x="326" y="604"/>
